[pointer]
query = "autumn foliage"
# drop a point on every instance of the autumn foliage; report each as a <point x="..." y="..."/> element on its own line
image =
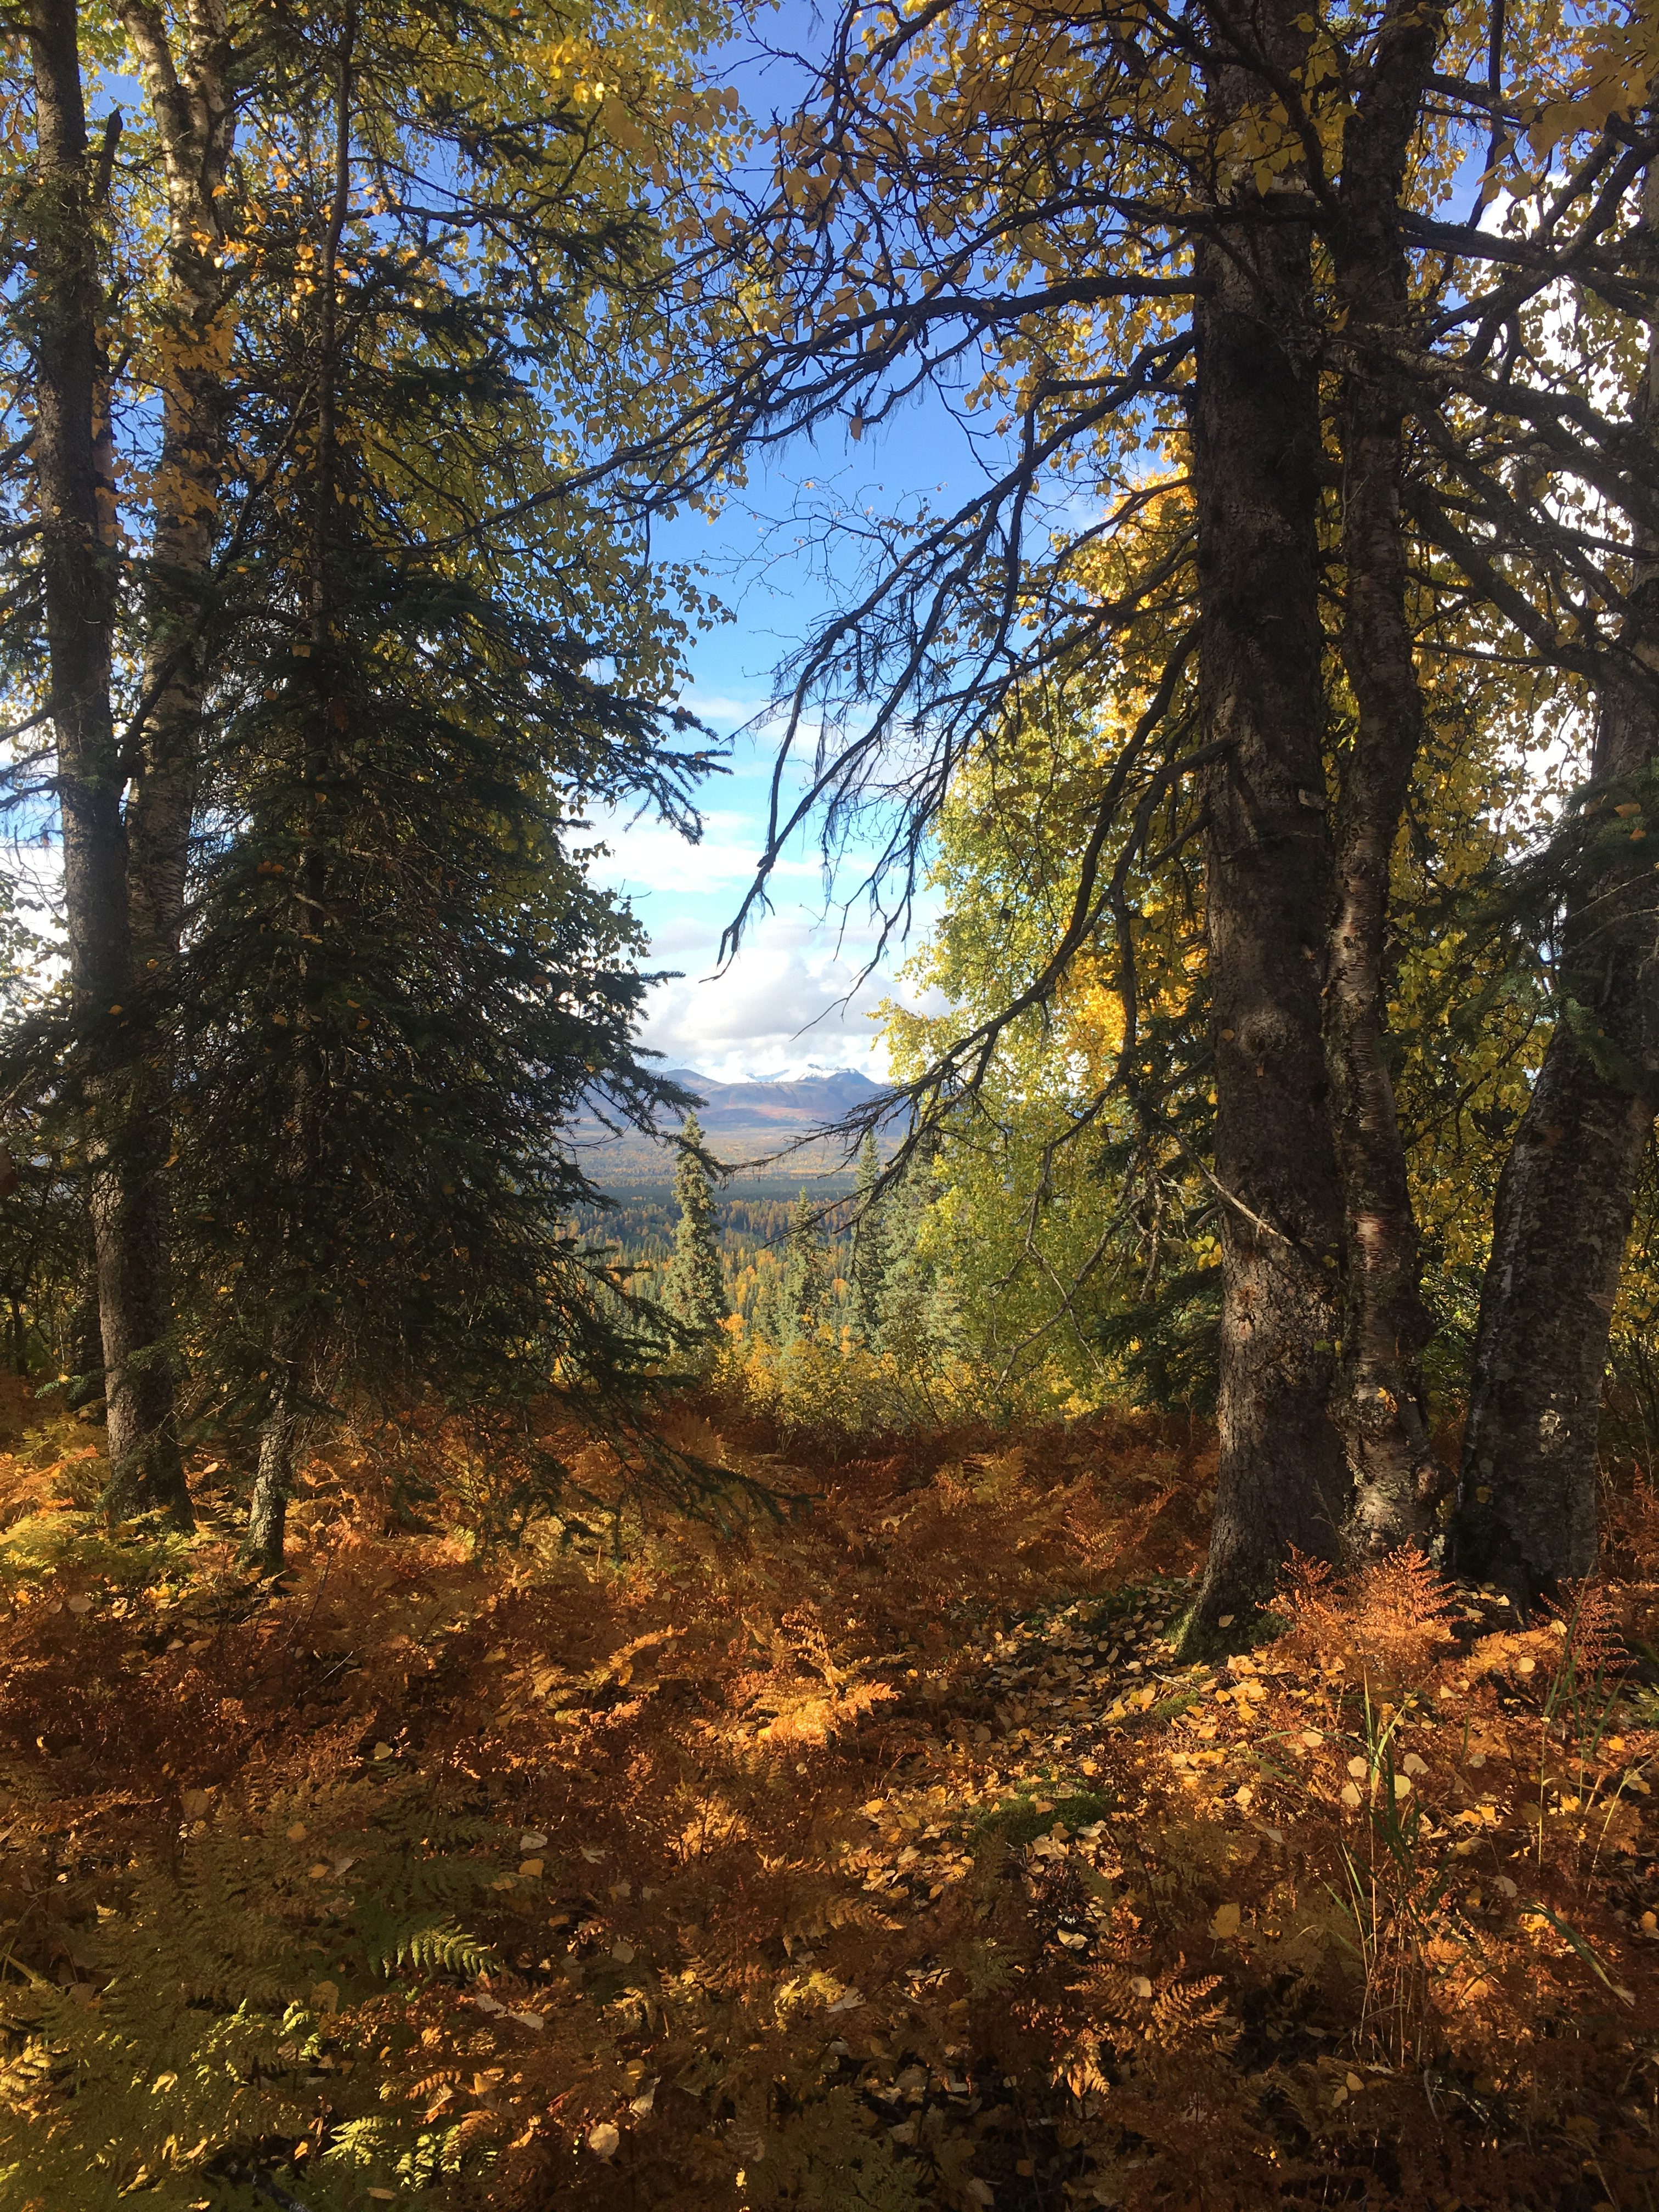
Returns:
<point x="882" y="1855"/>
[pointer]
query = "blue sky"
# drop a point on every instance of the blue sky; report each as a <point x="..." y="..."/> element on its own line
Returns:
<point x="778" y="1009"/>
<point x="782" y="1005"/>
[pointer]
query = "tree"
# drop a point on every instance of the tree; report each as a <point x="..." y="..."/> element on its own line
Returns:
<point x="912" y="1316"/>
<point x="1209" y="238"/>
<point x="78" y="587"/>
<point x="800" y="1301"/>
<point x="397" y="986"/>
<point x="479" y="164"/>
<point x="870" y="1246"/>
<point x="693" y="1282"/>
<point x="1526" y="1510"/>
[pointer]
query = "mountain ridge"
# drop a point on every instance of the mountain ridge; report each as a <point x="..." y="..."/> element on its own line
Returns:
<point x="743" y="1121"/>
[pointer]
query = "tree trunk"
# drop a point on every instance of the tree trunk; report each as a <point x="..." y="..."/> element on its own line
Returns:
<point x="196" y="126"/>
<point x="1526" y="1513"/>
<point x="294" y="1349"/>
<point x="1379" y="1402"/>
<point x="85" y="1353"/>
<point x="1282" y="1480"/>
<point x="273" y="1485"/>
<point x="78" y="579"/>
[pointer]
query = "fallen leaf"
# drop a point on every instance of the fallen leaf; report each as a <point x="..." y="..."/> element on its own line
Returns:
<point x="603" y="2139"/>
<point x="1225" y="1922"/>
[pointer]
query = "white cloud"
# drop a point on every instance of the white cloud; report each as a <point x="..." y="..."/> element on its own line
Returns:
<point x="648" y="858"/>
<point x="783" y="1004"/>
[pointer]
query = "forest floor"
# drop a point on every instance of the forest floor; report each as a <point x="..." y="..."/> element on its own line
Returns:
<point x="883" y="1856"/>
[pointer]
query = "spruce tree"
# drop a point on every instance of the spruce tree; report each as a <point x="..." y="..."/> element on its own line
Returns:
<point x="920" y="1311"/>
<point x="870" y="1247"/>
<point x="694" y="1283"/>
<point x="804" y="1290"/>
<point x="399" y="986"/>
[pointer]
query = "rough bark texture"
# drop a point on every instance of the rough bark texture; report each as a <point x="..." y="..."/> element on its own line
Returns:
<point x="1283" y="1479"/>
<point x="1526" y="1513"/>
<point x="273" y="1485"/>
<point x="1379" y="1402"/>
<point x="77" y="574"/>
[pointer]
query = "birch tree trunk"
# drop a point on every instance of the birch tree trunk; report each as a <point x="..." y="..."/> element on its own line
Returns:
<point x="79" y="585"/>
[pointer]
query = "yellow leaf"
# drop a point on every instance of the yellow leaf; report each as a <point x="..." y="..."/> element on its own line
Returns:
<point x="603" y="2139"/>
<point x="1225" y="1922"/>
<point x="1350" y="1796"/>
<point x="297" y="1834"/>
<point x="1359" y="1768"/>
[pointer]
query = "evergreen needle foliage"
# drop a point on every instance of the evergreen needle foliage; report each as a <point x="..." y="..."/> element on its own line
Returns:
<point x="693" y="1282"/>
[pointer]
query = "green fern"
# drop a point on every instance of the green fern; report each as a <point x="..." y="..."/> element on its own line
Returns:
<point x="235" y="1999"/>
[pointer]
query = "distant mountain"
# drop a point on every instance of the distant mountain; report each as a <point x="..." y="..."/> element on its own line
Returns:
<point x="792" y="1102"/>
<point x="741" y="1120"/>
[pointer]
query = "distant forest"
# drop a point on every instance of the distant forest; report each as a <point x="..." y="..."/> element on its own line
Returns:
<point x="754" y="1229"/>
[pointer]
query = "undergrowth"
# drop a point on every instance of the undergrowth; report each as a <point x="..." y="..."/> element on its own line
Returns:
<point x="883" y="1858"/>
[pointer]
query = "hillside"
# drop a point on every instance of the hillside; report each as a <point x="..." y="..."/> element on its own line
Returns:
<point x="749" y="1121"/>
<point x="883" y="1857"/>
